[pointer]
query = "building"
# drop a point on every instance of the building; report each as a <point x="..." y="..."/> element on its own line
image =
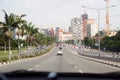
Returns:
<point x="51" y="32"/>
<point x="44" y="31"/>
<point x="70" y="29"/>
<point x="112" y="33"/>
<point x="84" y="16"/>
<point x="48" y="32"/>
<point x="67" y="36"/>
<point x="56" y="30"/>
<point x="17" y="33"/>
<point x="84" y="25"/>
<point x="91" y="28"/>
<point x="62" y="36"/>
<point x="76" y="28"/>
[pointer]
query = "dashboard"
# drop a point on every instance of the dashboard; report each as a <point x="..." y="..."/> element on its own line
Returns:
<point x="33" y="75"/>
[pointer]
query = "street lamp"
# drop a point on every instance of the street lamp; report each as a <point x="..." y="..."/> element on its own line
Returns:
<point x="98" y="10"/>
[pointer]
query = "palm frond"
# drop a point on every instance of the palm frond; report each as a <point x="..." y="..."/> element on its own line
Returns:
<point x="6" y="17"/>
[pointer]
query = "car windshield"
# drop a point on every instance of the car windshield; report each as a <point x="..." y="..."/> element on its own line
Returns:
<point x="80" y="36"/>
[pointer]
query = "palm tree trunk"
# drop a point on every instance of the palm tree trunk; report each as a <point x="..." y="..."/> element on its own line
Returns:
<point x="26" y="43"/>
<point x="5" y="47"/>
<point x="18" y="48"/>
<point x="27" y="39"/>
<point x="9" y="50"/>
<point x="9" y="47"/>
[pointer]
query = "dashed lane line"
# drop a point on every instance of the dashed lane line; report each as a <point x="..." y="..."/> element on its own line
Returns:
<point x="80" y="71"/>
<point x="30" y="69"/>
<point x="36" y="65"/>
<point x="75" y="67"/>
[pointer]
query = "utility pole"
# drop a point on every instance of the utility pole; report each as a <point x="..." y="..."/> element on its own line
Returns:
<point x="107" y="16"/>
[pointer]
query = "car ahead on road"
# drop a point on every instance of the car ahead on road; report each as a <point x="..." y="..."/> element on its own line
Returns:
<point x="59" y="52"/>
<point x="60" y="48"/>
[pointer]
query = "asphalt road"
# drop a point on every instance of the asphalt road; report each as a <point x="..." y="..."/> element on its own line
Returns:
<point x="66" y="63"/>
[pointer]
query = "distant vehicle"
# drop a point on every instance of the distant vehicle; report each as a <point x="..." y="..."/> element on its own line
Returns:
<point x="60" y="48"/>
<point x="59" y="53"/>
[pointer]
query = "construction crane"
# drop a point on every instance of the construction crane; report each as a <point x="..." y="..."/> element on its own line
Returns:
<point x="107" y="16"/>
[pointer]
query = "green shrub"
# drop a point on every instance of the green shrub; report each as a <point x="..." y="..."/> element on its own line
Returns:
<point x="4" y="59"/>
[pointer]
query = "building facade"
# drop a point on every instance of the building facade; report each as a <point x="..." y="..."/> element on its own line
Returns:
<point x="76" y="28"/>
<point x="91" y="28"/>
<point x="84" y="25"/>
<point x="62" y="36"/>
<point x="70" y="29"/>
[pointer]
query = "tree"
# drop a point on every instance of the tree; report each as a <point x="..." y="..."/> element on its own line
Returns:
<point x="3" y="37"/>
<point x="11" y="22"/>
<point x="30" y="31"/>
<point x="111" y="43"/>
<point x="86" y="41"/>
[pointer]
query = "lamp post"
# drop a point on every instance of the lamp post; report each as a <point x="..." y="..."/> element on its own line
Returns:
<point x="98" y="11"/>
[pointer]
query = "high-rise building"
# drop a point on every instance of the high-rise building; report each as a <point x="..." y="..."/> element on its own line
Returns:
<point x="51" y="32"/>
<point x="91" y="28"/>
<point x="76" y="27"/>
<point x="84" y="16"/>
<point x="56" y="30"/>
<point x="70" y="29"/>
<point x="84" y="21"/>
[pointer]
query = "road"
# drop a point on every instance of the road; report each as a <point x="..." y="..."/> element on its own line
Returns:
<point x="69" y="62"/>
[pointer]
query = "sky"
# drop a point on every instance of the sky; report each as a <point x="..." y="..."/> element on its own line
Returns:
<point x="58" y="13"/>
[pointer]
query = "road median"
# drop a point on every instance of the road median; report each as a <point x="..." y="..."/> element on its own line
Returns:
<point x="23" y="57"/>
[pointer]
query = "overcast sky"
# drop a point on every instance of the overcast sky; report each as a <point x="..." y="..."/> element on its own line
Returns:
<point x="58" y="13"/>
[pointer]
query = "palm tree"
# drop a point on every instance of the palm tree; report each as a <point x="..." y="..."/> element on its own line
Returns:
<point x="34" y="35"/>
<point x="3" y="37"/>
<point x="11" y="22"/>
<point x="29" y="28"/>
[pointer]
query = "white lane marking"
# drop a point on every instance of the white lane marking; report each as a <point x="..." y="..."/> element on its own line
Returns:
<point x="75" y="66"/>
<point x="80" y="71"/>
<point x="30" y="69"/>
<point x="36" y="65"/>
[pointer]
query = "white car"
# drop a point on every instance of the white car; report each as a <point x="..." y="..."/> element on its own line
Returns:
<point x="59" y="53"/>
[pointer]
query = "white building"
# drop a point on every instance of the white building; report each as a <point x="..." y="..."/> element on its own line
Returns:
<point x="15" y="36"/>
<point x="63" y="36"/>
<point x="112" y="33"/>
<point x="76" y="27"/>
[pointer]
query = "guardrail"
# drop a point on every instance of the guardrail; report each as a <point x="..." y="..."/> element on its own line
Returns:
<point x="110" y="56"/>
<point x="99" y="53"/>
